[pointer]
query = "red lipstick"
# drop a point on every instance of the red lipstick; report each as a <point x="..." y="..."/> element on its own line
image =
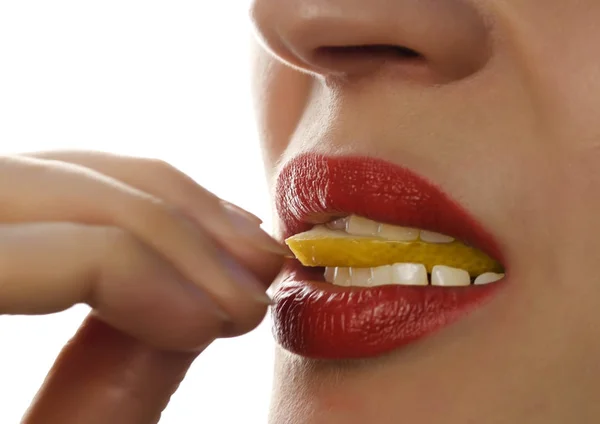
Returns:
<point x="317" y="319"/>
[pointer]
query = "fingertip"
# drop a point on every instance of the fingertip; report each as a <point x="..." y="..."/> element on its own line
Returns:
<point x="238" y="210"/>
<point x="263" y="265"/>
<point x="158" y="306"/>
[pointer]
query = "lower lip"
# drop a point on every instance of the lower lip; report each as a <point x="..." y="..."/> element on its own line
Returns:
<point x="316" y="319"/>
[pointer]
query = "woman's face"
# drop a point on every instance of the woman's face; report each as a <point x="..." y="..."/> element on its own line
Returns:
<point x="496" y="104"/>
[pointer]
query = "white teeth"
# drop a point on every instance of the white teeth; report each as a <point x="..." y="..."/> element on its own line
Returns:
<point x="361" y="277"/>
<point x="409" y="274"/>
<point x="487" y="278"/>
<point x="381" y="275"/>
<point x="394" y="232"/>
<point x="431" y="237"/>
<point x="405" y="274"/>
<point x="446" y="276"/>
<point x="360" y="226"/>
<point x="337" y="224"/>
<point x="330" y="274"/>
<point x="401" y="273"/>
<point x="342" y="277"/>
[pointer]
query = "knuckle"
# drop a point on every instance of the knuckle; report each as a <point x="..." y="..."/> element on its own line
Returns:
<point x="119" y="247"/>
<point x="151" y="215"/>
<point x="127" y="254"/>
<point x="162" y="169"/>
<point x="116" y="239"/>
<point x="186" y="188"/>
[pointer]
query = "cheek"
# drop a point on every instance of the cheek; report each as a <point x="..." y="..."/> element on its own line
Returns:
<point x="280" y="98"/>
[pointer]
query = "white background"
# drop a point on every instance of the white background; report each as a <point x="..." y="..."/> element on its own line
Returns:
<point x="162" y="79"/>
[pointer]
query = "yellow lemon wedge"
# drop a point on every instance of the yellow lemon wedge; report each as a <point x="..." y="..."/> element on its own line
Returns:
<point x="322" y="247"/>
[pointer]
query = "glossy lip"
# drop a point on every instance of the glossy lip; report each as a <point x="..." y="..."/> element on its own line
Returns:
<point x="316" y="319"/>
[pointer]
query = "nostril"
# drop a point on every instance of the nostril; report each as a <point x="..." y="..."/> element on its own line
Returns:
<point x="374" y="51"/>
<point x="357" y="58"/>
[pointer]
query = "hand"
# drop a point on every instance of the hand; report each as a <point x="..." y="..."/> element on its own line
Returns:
<point x="166" y="266"/>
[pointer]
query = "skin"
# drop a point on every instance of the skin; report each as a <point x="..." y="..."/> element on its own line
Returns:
<point x="166" y="266"/>
<point x="502" y="115"/>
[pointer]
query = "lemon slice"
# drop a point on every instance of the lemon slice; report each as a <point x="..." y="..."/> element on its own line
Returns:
<point x="320" y="247"/>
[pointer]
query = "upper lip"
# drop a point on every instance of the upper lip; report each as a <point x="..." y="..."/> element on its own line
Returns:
<point x="314" y="188"/>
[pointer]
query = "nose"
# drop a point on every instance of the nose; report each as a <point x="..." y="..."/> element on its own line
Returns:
<point x="443" y="39"/>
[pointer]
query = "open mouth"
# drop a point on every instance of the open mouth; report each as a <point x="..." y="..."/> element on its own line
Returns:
<point x="358" y="252"/>
<point x="383" y="258"/>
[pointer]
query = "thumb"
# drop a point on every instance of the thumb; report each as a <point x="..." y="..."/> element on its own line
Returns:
<point x="104" y="376"/>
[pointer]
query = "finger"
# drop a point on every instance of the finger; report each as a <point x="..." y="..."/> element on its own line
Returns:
<point x="129" y="285"/>
<point x="37" y="190"/>
<point x="173" y="186"/>
<point x="103" y="376"/>
<point x="263" y="265"/>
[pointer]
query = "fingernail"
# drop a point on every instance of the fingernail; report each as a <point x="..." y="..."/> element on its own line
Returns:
<point x="249" y="228"/>
<point x="250" y="216"/>
<point x="240" y="274"/>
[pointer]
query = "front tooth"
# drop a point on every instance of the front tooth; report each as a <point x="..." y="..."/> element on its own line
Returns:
<point x="394" y="232"/>
<point x="342" y="277"/>
<point x="487" y="278"/>
<point x="431" y="237"/>
<point x="360" y="277"/>
<point x="337" y="224"/>
<point x="329" y="274"/>
<point x="446" y="276"/>
<point x="359" y="226"/>
<point x="409" y="274"/>
<point x="381" y="275"/>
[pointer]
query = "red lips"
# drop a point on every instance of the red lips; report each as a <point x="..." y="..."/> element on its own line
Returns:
<point x="317" y="319"/>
